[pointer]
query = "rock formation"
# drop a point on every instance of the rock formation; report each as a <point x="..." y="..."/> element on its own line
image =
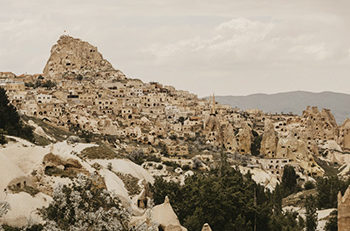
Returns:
<point x="296" y="149"/>
<point x="72" y="57"/>
<point x="229" y="137"/>
<point x="322" y="123"/>
<point x="165" y="216"/>
<point x="206" y="227"/>
<point x="344" y="211"/>
<point x="269" y="140"/>
<point x="344" y="136"/>
<point x="244" y="139"/>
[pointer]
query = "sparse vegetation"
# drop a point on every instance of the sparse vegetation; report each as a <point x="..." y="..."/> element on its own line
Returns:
<point x="139" y="157"/>
<point x="130" y="182"/>
<point x="171" y="164"/>
<point x="55" y="132"/>
<point x="28" y="189"/>
<point x="309" y="185"/>
<point x="98" y="152"/>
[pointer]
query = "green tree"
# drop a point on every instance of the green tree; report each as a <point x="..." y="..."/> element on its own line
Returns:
<point x="10" y="121"/>
<point x="289" y="180"/>
<point x="327" y="191"/>
<point x="332" y="223"/>
<point x="311" y="213"/>
<point x="2" y="137"/>
<point x="225" y="199"/>
<point x="309" y="185"/>
<point x="277" y="197"/>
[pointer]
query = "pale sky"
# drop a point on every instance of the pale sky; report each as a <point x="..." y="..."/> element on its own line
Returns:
<point x="226" y="47"/>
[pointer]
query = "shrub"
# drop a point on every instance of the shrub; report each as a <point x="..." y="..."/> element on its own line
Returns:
<point x="2" y="139"/>
<point x="84" y="206"/>
<point x="309" y="185"/>
<point x="171" y="164"/>
<point x="332" y="223"/>
<point x="131" y="183"/>
<point x="98" y="152"/>
<point x="186" y="167"/>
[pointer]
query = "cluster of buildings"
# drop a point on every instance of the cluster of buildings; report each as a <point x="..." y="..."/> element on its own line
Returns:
<point x="87" y="93"/>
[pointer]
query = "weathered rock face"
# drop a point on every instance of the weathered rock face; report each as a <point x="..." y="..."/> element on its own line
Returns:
<point x="344" y="137"/>
<point x="244" y="139"/>
<point x="298" y="150"/>
<point x="229" y="138"/>
<point x="344" y="211"/>
<point x="269" y="140"/>
<point x="322" y="123"/>
<point x="212" y="130"/>
<point x="72" y="57"/>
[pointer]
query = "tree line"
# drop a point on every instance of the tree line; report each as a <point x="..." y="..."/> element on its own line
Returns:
<point x="10" y="122"/>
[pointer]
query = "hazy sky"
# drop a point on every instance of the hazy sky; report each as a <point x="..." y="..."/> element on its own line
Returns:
<point x="226" y="47"/>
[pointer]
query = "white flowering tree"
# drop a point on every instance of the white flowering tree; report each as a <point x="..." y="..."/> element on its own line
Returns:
<point x="84" y="205"/>
<point x="4" y="208"/>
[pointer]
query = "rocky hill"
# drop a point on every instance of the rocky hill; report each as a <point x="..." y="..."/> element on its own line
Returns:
<point x="72" y="57"/>
<point x="89" y="119"/>
<point x="294" y="102"/>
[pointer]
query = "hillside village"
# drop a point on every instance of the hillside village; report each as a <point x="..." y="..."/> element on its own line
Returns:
<point x="80" y="93"/>
<point x="88" y="94"/>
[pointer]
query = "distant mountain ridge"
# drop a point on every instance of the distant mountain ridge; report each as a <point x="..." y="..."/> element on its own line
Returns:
<point x="295" y="102"/>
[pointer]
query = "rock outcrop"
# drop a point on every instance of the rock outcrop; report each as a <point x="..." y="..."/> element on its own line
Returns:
<point x="344" y="211"/>
<point x="296" y="149"/>
<point x="344" y="137"/>
<point x="165" y="216"/>
<point x="323" y="124"/>
<point x="72" y="58"/>
<point x="269" y="140"/>
<point x="244" y="139"/>
<point x="229" y="137"/>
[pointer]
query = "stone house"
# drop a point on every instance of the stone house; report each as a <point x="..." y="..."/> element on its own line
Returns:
<point x="177" y="150"/>
<point x="43" y="98"/>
